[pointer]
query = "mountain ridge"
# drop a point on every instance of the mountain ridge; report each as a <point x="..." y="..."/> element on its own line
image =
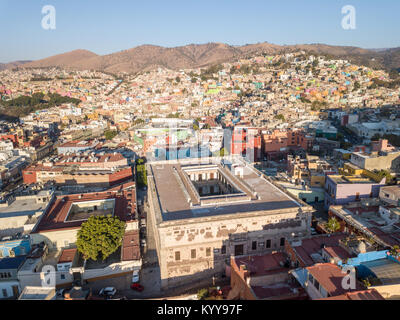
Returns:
<point x="191" y="56"/>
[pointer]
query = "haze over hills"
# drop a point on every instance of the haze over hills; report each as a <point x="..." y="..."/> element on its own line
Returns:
<point x="147" y="57"/>
<point x="11" y="65"/>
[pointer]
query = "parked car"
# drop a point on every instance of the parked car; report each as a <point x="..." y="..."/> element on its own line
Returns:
<point x="117" y="297"/>
<point x="108" y="292"/>
<point x="61" y="293"/>
<point x="137" y="287"/>
<point x="135" y="277"/>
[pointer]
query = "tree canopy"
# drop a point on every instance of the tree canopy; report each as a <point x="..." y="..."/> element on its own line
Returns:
<point x="109" y="134"/>
<point x="141" y="173"/>
<point x="100" y="236"/>
<point x="333" y="225"/>
<point x="221" y="153"/>
<point x="24" y="105"/>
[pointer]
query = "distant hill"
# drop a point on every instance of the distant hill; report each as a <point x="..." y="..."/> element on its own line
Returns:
<point x="65" y="60"/>
<point x="147" y="57"/>
<point x="11" y="65"/>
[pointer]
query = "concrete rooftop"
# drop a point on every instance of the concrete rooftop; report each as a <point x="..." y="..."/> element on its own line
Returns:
<point x="174" y="204"/>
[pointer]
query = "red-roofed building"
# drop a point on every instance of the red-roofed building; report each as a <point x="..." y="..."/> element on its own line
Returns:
<point x="371" y="294"/>
<point x="321" y="248"/>
<point x="325" y="280"/>
<point x="263" y="277"/>
<point x="78" y="169"/>
<point x="59" y="225"/>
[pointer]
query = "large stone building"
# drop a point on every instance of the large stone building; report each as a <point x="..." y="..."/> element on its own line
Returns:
<point x="204" y="213"/>
<point x="88" y="169"/>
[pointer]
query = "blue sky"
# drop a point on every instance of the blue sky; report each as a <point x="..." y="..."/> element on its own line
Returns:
<point x="108" y="26"/>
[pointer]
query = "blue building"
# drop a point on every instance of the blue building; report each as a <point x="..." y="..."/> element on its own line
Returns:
<point x="14" y="248"/>
<point x="9" y="285"/>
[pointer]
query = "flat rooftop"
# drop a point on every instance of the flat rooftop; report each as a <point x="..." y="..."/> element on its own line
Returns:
<point x="340" y="179"/>
<point x="392" y="189"/>
<point x="369" y="221"/>
<point x="21" y="208"/>
<point x="174" y="204"/>
<point x="262" y="265"/>
<point x="387" y="271"/>
<point x="37" y="293"/>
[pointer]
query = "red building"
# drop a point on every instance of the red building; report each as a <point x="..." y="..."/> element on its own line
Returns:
<point x="246" y="142"/>
<point x="16" y="140"/>
<point x="277" y="143"/>
<point x="103" y="170"/>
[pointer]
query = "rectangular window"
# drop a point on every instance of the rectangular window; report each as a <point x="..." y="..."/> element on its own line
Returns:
<point x="282" y="242"/>
<point x="316" y="284"/>
<point x="208" y="252"/>
<point x="177" y="256"/>
<point x="223" y="250"/>
<point x="62" y="276"/>
<point x="254" y="245"/>
<point x="193" y="254"/>
<point x="268" y="245"/>
<point x="310" y="278"/>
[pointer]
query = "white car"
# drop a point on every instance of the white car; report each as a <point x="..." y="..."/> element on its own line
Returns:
<point x="108" y="291"/>
<point x="135" y="277"/>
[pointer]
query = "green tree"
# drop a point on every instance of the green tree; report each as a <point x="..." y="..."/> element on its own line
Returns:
<point x="173" y="115"/>
<point x="202" y="294"/>
<point x="395" y="251"/>
<point x="366" y="282"/>
<point x="356" y="86"/>
<point x="221" y="153"/>
<point x="100" y="236"/>
<point x="333" y="225"/>
<point x="109" y="134"/>
<point x="141" y="173"/>
<point x="386" y="174"/>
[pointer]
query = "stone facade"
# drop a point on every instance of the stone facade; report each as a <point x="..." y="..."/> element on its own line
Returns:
<point x="201" y="247"/>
